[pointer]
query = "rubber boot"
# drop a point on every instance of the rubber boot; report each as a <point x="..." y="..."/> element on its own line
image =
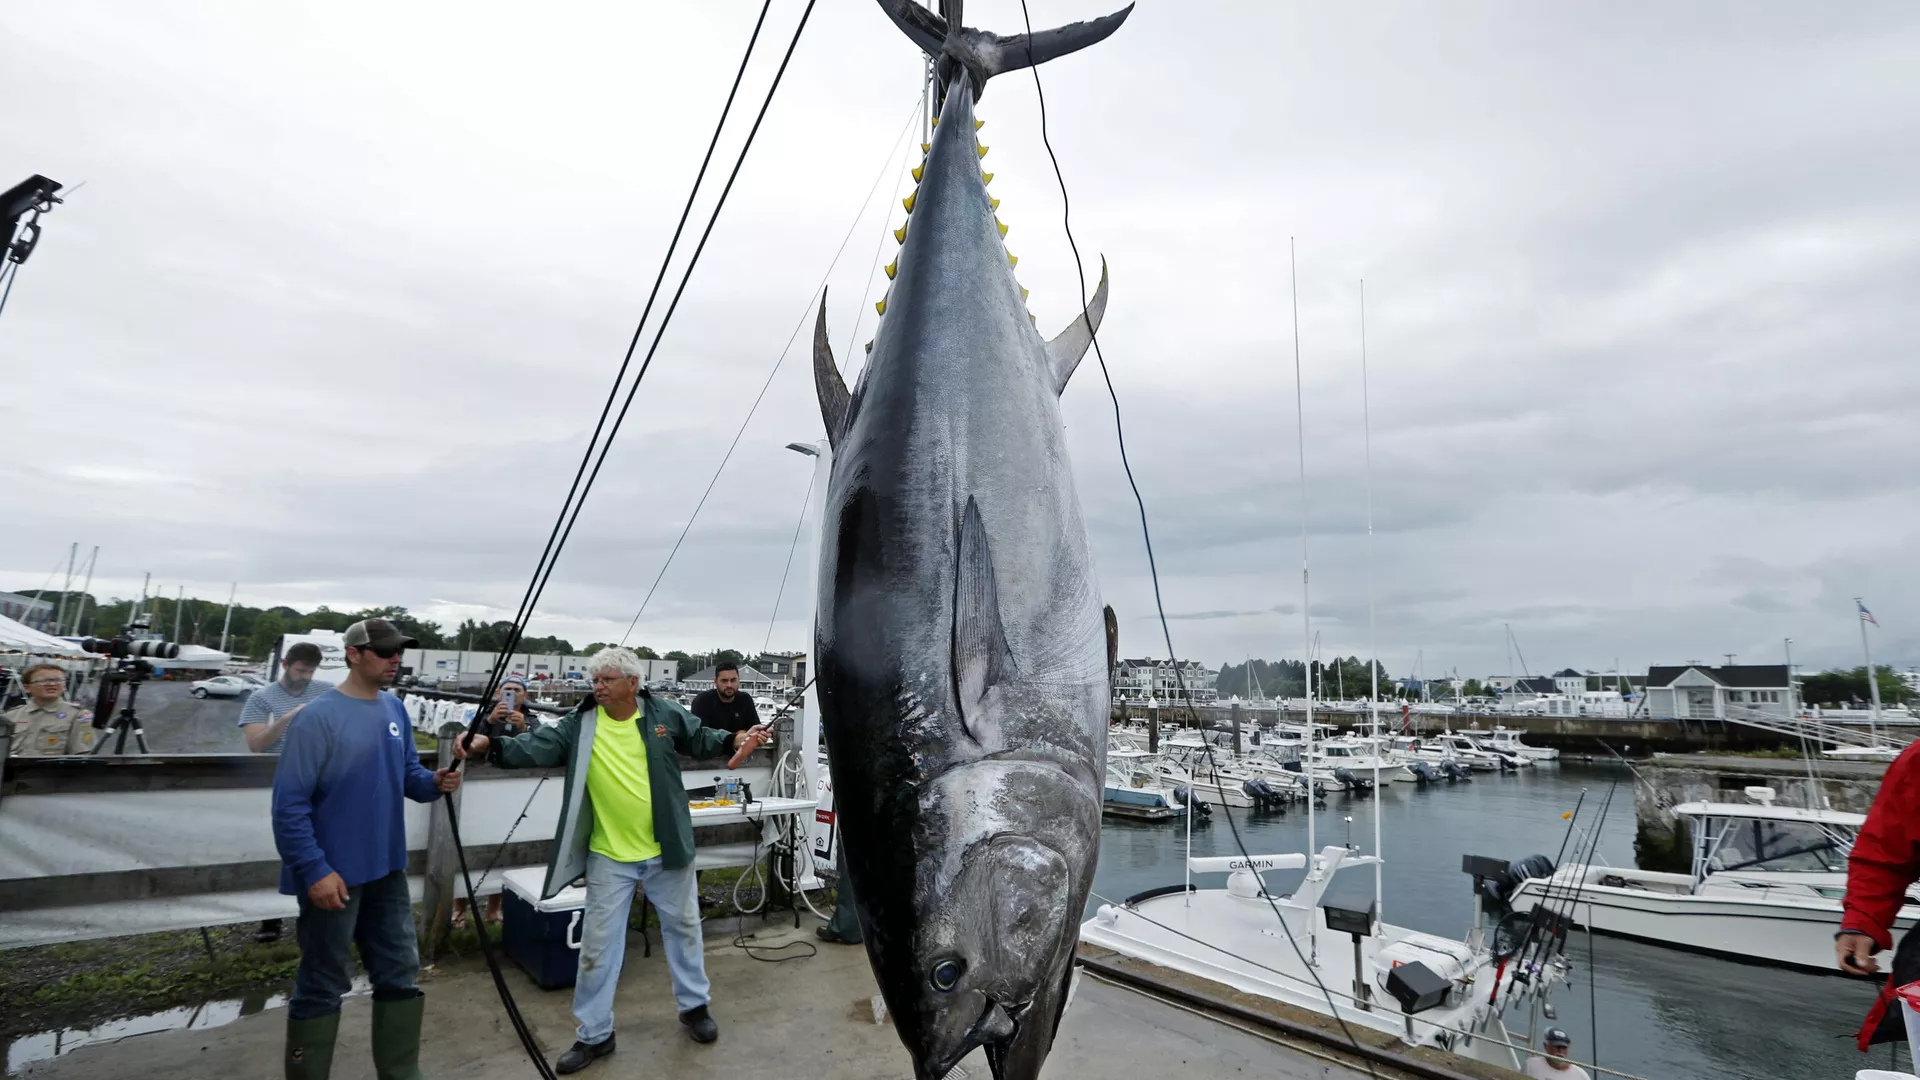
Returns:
<point x="845" y="925"/>
<point x="309" y="1050"/>
<point x="396" y="1038"/>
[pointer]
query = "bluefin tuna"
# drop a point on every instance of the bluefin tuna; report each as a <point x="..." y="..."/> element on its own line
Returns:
<point x="960" y="645"/>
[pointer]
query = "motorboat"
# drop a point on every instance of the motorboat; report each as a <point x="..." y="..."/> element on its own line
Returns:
<point x="1505" y="740"/>
<point x="1766" y="886"/>
<point x="1443" y="749"/>
<point x="1298" y="948"/>
<point x="1344" y="759"/>
<point x="1131" y="781"/>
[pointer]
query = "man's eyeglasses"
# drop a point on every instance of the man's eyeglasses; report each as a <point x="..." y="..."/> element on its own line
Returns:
<point x="382" y="653"/>
<point x="609" y="680"/>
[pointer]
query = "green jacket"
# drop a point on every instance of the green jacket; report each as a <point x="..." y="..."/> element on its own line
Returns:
<point x="670" y="730"/>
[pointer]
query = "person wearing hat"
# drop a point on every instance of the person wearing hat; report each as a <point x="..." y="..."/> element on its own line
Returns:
<point x="339" y="824"/>
<point x="1553" y="1065"/>
<point x="510" y="715"/>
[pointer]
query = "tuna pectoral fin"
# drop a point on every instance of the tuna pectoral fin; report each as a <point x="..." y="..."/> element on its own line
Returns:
<point x="981" y="658"/>
<point x="834" y="399"/>
<point x="1065" y="351"/>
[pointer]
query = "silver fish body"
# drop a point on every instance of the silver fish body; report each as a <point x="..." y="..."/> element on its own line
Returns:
<point x="960" y="644"/>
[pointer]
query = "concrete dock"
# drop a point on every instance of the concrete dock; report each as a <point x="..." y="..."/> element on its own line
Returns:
<point x="809" y="1017"/>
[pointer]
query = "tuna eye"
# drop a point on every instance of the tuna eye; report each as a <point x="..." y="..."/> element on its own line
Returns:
<point x="946" y="974"/>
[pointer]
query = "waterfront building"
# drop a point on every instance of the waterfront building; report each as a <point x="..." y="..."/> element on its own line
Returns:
<point x="1705" y="692"/>
<point x="1144" y="679"/>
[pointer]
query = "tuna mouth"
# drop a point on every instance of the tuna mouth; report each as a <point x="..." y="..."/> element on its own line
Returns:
<point x="996" y="1026"/>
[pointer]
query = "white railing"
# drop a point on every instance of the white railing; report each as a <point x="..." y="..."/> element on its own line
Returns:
<point x="1802" y="727"/>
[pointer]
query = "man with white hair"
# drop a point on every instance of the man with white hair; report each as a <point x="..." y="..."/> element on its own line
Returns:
<point x="624" y="821"/>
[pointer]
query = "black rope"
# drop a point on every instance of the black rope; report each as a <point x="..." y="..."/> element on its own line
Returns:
<point x="556" y="541"/>
<point x="1146" y="534"/>
<point x="819" y="291"/>
<point x="555" y="538"/>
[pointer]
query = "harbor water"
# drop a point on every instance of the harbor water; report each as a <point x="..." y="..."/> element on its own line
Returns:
<point x="1640" y="1009"/>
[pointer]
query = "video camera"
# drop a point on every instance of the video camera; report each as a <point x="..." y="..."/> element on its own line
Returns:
<point x="130" y="668"/>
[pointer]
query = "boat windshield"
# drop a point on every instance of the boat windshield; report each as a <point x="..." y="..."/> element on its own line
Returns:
<point x="1774" y="844"/>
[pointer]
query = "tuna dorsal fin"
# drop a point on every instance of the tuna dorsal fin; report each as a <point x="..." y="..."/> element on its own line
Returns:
<point x="834" y="399"/>
<point x="1113" y="638"/>
<point x="981" y="658"/>
<point x="1066" y="350"/>
<point x="986" y="54"/>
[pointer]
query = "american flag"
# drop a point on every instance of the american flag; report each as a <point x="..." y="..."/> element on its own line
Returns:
<point x="1865" y="615"/>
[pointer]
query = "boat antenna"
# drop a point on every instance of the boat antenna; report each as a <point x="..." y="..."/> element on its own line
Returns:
<point x="1306" y="603"/>
<point x="1153" y="569"/>
<point x="1373" y="648"/>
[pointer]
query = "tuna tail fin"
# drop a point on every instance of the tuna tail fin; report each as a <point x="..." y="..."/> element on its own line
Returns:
<point x="985" y="54"/>
<point x="1066" y="350"/>
<point x="835" y="402"/>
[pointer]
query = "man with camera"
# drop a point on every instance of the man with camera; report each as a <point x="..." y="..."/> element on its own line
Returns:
<point x="340" y="827"/>
<point x="48" y="725"/>
<point x="268" y="711"/>
<point x="624" y="822"/>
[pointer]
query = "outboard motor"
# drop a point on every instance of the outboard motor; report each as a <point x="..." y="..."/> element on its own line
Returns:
<point x="1507" y="765"/>
<point x="1193" y="804"/>
<point x="1354" y="783"/>
<point x="1456" y="771"/>
<point x="1500" y="889"/>
<point x="1423" y="773"/>
<point x="1262" y="793"/>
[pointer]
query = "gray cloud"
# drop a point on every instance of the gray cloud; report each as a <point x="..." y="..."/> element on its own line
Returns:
<point x="334" y="312"/>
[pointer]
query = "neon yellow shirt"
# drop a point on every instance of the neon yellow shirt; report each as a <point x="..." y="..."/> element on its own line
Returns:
<point x="618" y="784"/>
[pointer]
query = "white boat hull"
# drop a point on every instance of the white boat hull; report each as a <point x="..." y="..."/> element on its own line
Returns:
<point x="1769" y="926"/>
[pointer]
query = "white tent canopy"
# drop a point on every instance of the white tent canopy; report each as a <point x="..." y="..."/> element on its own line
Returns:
<point x="19" y="637"/>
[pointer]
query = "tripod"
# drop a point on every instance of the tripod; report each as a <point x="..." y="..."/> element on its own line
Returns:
<point x="126" y="721"/>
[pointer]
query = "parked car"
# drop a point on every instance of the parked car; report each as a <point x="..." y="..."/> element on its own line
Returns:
<point x="222" y="686"/>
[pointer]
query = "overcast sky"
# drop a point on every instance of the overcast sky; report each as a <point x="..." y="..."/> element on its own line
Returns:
<point x="347" y="282"/>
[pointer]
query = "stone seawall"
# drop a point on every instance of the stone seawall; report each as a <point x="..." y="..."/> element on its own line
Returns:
<point x="1663" y="842"/>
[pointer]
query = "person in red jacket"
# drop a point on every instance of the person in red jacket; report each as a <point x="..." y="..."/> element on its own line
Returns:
<point x="1884" y="862"/>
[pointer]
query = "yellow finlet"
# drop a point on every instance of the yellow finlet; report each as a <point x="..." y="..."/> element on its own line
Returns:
<point x="993" y="202"/>
<point x="1023" y="292"/>
<point x="986" y="178"/>
<point x="869" y="346"/>
<point x="892" y="269"/>
<point x="978" y="124"/>
<point x="1003" y="228"/>
<point x="1012" y="259"/>
<point x="881" y="307"/>
<point x="983" y="151"/>
<point x="926" y="148"/>
<point x="918" y="170"/>
<point x="900" y="234"/>
<point x="936" y="121"/>
<point x="908" y="201"/>
<point x="1032" y="318"/>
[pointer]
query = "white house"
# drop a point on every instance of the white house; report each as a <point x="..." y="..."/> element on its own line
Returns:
<point x="1704" y="692"/>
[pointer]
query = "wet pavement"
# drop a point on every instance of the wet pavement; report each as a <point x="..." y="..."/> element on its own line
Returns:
<point x="176" y="722"/>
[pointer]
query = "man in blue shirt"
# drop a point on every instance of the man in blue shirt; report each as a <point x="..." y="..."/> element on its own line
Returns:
<point x="268" y="711"/>
<point x="339" y="824"/>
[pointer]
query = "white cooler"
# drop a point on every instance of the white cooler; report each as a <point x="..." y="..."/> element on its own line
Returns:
<point x="542" y="936"/>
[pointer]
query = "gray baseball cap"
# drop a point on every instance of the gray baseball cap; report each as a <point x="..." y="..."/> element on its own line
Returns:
<point x="1556" y="1037"/>
<point x="378" y="634"/>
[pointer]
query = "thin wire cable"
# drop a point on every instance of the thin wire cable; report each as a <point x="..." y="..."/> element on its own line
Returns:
<point x="1373" y="641"/>
<point x="880" y="245"/>
<point x="557" y="544"/>
<point x="1146" y="533"/>
<point x="818" y="295"/>
<point x="550" y="552"/>
<point x="806" y="501"/>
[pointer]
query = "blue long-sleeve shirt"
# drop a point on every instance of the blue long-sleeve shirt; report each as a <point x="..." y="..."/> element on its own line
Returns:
<point x="336" y="793"/>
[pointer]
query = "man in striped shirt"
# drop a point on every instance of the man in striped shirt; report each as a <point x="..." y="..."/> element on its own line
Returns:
<point x="265" y="716"/>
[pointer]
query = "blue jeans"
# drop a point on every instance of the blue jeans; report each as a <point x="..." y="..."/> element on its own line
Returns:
<point x="603" y="937"/>
<point x="378" y="918"/>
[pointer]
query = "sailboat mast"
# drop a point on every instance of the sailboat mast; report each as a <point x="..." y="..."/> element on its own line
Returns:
<point x="1373" y="651"/>
<point x="1306" y="592"/>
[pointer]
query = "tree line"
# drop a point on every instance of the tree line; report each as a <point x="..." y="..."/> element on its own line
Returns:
<point x="1340" y="678"/>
